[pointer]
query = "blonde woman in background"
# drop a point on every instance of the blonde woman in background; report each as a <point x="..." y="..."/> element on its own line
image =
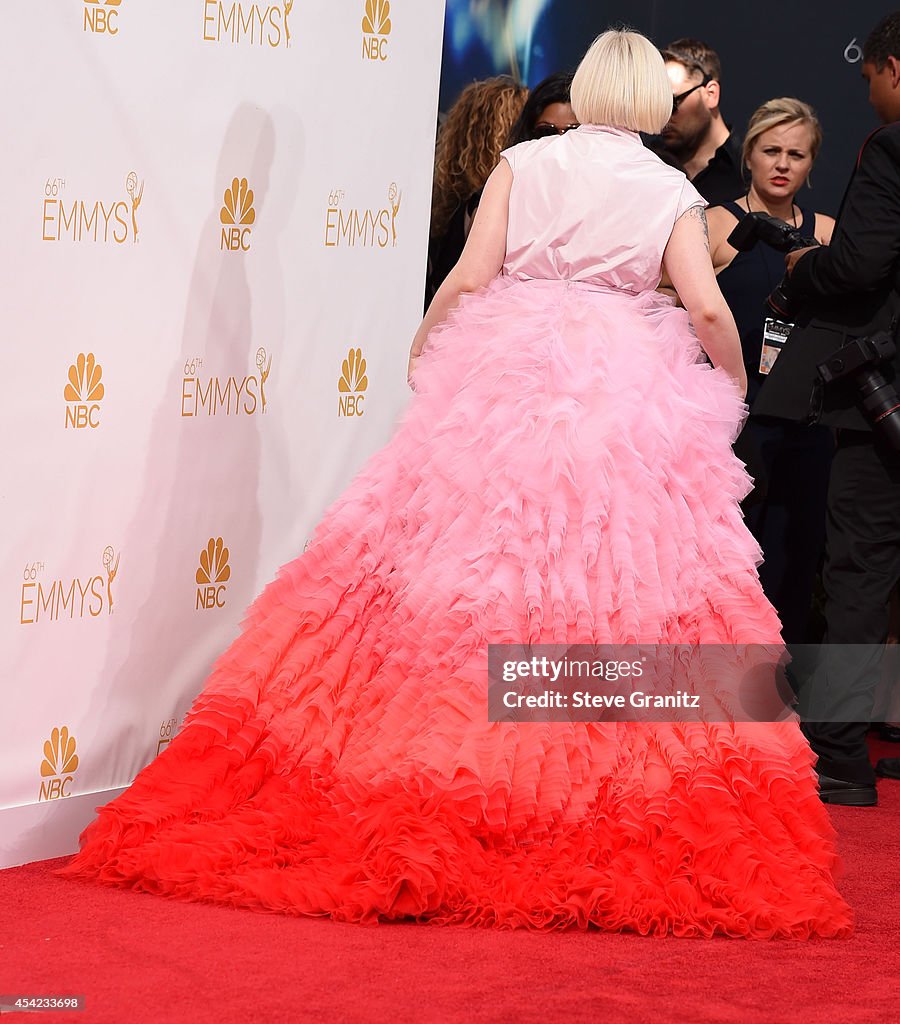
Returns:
<point x="786" y="513"/>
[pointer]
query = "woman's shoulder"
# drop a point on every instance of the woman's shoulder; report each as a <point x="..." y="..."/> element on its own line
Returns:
<point x="516" y="155"/>
<point x="824" y="226"/>
<point x="725" y="212"/>
<point x="664" y="168"/>
<point x="722" y="219"/>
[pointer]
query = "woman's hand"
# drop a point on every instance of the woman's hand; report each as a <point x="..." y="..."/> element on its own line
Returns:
<point x="690" y="269"/>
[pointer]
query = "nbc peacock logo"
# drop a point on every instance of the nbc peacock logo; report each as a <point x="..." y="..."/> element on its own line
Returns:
<point x="212" y="575"/>
<point x="376" y="26"/>
<point x="59" y="764"/>
<point x="237" y="216"/>
<point x="84" y="392"/>
<point x="352" y="384"/>
<point x="102" y="16"/>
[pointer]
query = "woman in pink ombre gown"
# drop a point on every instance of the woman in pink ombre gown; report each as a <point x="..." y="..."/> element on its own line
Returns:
<point x="564" y="474"/>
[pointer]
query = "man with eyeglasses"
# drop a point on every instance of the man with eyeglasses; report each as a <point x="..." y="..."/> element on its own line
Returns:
<point x="696" y="134"/>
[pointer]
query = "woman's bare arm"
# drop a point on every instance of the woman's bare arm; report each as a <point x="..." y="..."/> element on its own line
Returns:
<point x="481" y="259"/>
<point x="824" y="228"/>
<point x="688" y="264"/>
<point x="720" y="224"/>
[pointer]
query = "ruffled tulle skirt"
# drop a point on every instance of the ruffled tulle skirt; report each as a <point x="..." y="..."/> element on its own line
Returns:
<point x="563" y="474"/>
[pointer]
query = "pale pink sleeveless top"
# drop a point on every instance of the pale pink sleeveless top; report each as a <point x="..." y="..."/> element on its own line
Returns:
<point x="593" y="205"/>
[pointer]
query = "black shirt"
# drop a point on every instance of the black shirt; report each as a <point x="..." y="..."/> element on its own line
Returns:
<point x="720" y="180"/>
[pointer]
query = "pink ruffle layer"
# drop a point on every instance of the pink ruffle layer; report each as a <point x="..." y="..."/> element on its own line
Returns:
<point x="564" y="474"/>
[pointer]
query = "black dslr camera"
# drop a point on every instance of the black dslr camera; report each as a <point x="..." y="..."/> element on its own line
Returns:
<point x="858" y="362"/>
<point x="760" y="227"/>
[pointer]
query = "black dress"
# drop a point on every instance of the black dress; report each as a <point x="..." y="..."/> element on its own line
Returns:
<point x="786" y="513"/>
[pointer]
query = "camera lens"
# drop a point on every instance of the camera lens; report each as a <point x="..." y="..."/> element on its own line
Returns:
<point x="881" y="403"/>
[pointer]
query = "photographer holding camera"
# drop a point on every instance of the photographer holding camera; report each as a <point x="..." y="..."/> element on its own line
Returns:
<point x="840" y="367"/>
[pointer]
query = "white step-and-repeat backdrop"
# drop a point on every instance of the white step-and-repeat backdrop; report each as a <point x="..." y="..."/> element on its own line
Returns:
<point x="213" y="263"/>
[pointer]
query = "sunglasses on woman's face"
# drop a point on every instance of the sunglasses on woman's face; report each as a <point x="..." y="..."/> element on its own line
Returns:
<point x="543" y="129"/>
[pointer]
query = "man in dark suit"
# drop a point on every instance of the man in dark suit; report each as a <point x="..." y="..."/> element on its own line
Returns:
<point x="851" y="289"/>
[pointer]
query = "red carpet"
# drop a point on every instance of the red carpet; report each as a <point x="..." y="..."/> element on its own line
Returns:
<point x="141" y="958"/>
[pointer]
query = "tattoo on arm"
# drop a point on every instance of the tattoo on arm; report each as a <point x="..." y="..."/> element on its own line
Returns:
<point x="700" y="214"/>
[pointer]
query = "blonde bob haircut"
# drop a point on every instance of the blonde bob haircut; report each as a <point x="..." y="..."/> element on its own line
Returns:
<point x="784" y="111"/>
<point x="622" y="82"/>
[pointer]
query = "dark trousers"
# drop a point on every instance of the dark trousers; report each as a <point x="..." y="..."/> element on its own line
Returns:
<point x="786" y="514"/>
<point x="862" y="566"/>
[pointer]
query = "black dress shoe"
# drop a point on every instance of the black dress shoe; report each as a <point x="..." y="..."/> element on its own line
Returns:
<point x="889" y="733"/>
<point x="888" y="768"/>
<point x="849" y="794"/>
